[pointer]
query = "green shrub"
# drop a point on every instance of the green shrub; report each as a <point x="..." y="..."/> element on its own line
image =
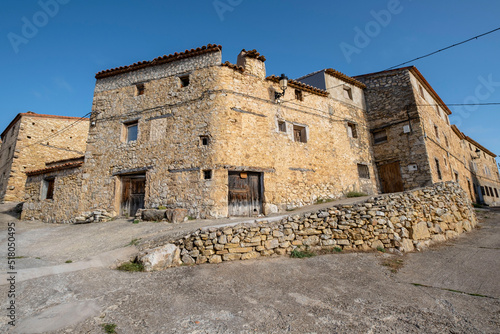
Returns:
<point x="68" y="261"/>
<point x="109" y="328"/>
<point x="131" y="266"/>
<point x="297" y="253"/>
<point x="355" y="194"/>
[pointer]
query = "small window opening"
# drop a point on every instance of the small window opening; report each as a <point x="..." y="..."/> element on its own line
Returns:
<point x="131" y="131"/>
<point x="482" y="191"/>
<point x="282" y="126"/>
<point x="351" y="130"/>
<point x="48" y="188"/>
<point x="140" y="89"/>
<point x="299" y="134"/>
<point x="298" y="95"/>
<point x="363" y="171"/>
<point x="207" y="174"/>
<point x="496" y="192"/>
<point x="184" y="80"/>
<point x="348" y="93"/>
<point x="438" y="169"/>
<point x="487" y="191"/>
<point x="29" y="137"/>
<point x="204" y="140"/>
<point x="380" y="137"/>
<point x="421" y="90"/>
<point x="436" y="131"/>
<point x="491" y="191"/>
<point x="456" y="176"/>
<point x="446" y="141"/>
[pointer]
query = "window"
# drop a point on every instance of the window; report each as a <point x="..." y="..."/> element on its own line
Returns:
<point x="456" y="176"/>
<point x="48" y="188"/>
<point x="348" y="93"/>
<point x="438" y="169"/>
<point x="438" y="111"/>
<point x="298" y="95"/>
<point x="475" y="188"/>
<point x="140" y="89"/>
<point x="204" y="140"/>
<point x="486" y="170"/>
<point x="470" y="147"/>
<point x="131" y="131"/>
<point x="491" y="191"/>
<point x="282" y="126"/>
<point x="184" y="80"/>
<point x="421" y="91"/>
<point x="482" y="191"/>
<point x="363" y="171"/>
<point x="487" y="191"/>
<point x="207" y="174"/>
<point x="446" y="118"/>
<point x="351" y="130"/>
<point x="446" y="141"/>
<point x="496" y="192"/>
<point x="380" y="136"/>
<point x="436" y="131"/>
<point x="299" y="134"/>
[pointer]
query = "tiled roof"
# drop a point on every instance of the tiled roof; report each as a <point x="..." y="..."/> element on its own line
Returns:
<point x="54" y="168"/>
<point x="299" y="85"/>
<point x="160" y="60"/>
<point x="32" y="114"/>
<point x="234" y="67"/>
<point x="346" y="78"/>
<point x="254" y="54"/>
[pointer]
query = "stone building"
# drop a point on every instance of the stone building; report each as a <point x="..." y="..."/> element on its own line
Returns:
<point x="413" y="142"/>
<point x="188" y="131"/>
<point x="31" y="140"/>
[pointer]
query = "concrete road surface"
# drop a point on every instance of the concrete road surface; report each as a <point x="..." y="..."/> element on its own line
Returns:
<point x="451" y="288"/>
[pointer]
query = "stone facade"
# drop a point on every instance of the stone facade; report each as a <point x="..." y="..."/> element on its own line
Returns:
<point x="186" y="131"/>
<point x="403" y="222"/>
<point x="30" y="141"/>
<point x="410" y="128"/>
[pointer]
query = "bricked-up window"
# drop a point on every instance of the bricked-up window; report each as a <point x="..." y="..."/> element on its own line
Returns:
<point x="348" y="93"/>
<point x="207" y="174"/>
<point x="447" y="119"/>
<point x="351" y="130"/>
<point x="363" y="171"/>
<point x="282" y="126"/>
<point x="380" y="136"/>
<point x="298" y="95"/>
<point x="131" y="131"/>
<point x="496" y="192"/>
<point x="204" y="140"/>
<point x="421" y="91"/>
<point x="438" y="169"/>
<point x="48" y="188"/>
<point x="140" y="88"/>
<point x="438" y="111"/>
<point x="299" y="133"/>
<point x="184" y="80"/>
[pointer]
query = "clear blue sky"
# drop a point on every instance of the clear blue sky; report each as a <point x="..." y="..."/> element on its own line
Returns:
<point x="51" y="69"/>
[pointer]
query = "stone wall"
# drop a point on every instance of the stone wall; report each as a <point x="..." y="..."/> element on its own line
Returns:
<point x="34" y="140"/>
<point x="401" y="221"/>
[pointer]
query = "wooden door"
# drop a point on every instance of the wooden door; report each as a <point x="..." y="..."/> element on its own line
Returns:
<point x="133" y="191"/>
<point x="245" y="194"/>
<point x="390" y="178"/>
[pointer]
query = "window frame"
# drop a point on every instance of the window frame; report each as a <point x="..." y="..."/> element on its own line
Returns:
<point x="380" y="140"/>
<point x="363" y="174"/>
<point x="47" y="188"/>
<point x="352" y="131"/>
<point x="302" y="132"/>
<point x="346" y="90"/>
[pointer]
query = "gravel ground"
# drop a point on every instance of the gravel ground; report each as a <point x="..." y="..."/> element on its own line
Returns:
<point x="451" y="288"/>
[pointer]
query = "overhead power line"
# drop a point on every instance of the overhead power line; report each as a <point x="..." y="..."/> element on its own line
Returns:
<point x="446" y="48"/>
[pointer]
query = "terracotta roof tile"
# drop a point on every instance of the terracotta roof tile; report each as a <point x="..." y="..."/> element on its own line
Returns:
<point x="299" y="85"/>
<point x="159" y="60"/>
<point x="234" y="67"/>
<point x="253" y="54"/>
<point x="346" y="78"/>
<point x="54" y="168"/>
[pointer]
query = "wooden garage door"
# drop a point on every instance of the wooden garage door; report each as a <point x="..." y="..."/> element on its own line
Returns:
<point x="390" y="177"/>
<point x="245" y="194"/>
<point x="133" y="191"/>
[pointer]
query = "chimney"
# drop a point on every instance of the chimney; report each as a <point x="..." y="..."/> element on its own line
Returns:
<point x="252" y="62"/>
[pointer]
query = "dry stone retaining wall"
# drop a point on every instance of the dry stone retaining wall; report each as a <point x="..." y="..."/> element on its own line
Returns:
<point x="401" y="221"/>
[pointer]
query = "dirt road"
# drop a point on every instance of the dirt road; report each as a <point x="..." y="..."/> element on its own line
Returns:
<point x="452" y="288"/>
